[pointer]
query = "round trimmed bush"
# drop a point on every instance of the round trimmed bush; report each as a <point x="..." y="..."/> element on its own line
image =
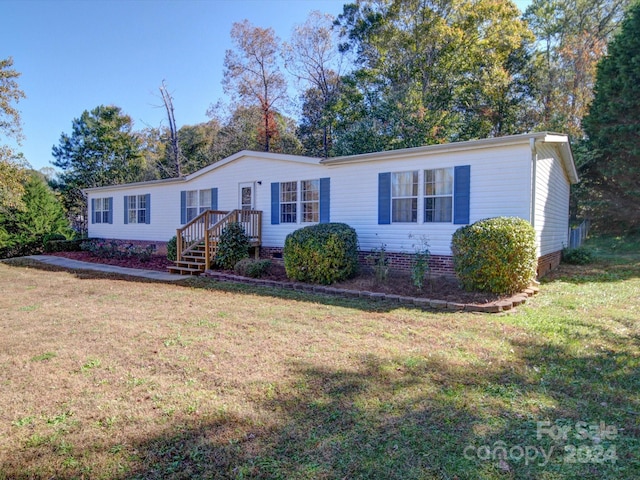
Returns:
<point x="496" y="255"/>
<point x="323" y="253"/>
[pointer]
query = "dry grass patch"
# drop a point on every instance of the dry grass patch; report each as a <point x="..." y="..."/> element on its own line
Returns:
<point x="106" y="377"/>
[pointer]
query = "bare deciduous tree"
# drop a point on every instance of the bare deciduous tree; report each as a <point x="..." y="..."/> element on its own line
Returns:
<point x="174" y="145"/>
<point x="313" y="57"/>
<point x="253" y="75"/>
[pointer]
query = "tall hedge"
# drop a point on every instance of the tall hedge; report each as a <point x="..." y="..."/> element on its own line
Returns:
<point x="323" y="253"/>
<point x="496" y="255"/>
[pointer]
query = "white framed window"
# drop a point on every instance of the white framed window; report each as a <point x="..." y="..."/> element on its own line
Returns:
<point x="310" y="200"/>
<point x="101" y="210"/>
<point x="137" y="209"/>
<point x="197" y="201"/>
<point x="438" y="195"/>
<point x="288" y="202"/>
<point x="404" y="197"/>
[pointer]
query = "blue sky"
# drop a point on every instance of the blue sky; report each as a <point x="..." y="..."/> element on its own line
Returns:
<point x="77" y="54"/>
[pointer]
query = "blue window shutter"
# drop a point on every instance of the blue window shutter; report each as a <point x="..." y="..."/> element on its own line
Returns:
<point x="93" y="210"/>
<point x="384" y="198"/>
<point x="214" y="199"/>
<point x="183" y="207"/>
<point x="325" y="200"/>
<point x="126" y="209"/>
<point x="110" y="210"/>
<point x="461" y="194"/>
<point x="148" y="202"/>
<point x="275" y="203"/>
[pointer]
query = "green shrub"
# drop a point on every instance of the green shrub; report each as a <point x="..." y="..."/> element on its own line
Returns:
<point x="248" y="267"/>
<point x="420" y="262"/>
<point x="495" y="255"/>
<point x="63" y="246"/>
<point x="233" y="246"/>
<point x="577" y="256"/>
<point x="32" y="246"/>
<point x="323" y="253"/>
<point x="380" y="263"/>
<point x="172" y="249"/>
<point x="53" y="237"/>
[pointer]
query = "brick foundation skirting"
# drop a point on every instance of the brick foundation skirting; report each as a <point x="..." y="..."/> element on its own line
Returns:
<point x="548" y="262"/>
<point x="438" y="264"/>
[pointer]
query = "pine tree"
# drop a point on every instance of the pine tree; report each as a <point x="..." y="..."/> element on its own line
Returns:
<point x="42" y="214"/>
<point x="611" y="174"/>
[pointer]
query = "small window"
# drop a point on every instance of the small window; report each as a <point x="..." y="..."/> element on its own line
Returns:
<point x="288" y="202"/>
<point x="404" y="197"/>
<point x="438" y="199"/>
<point x="101" y="209"/>
<point x="137" y="209"/>
<point x="310" y="201"/>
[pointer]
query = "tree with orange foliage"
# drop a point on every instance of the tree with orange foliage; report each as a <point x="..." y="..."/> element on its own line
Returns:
<point x="252" y="74"/>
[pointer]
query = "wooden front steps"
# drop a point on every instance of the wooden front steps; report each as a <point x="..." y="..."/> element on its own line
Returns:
<point x="197" y="241"/>
<point x="192" y="263"/>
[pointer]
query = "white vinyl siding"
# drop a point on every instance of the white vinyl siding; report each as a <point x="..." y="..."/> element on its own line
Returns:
<point x="551" y="219"/>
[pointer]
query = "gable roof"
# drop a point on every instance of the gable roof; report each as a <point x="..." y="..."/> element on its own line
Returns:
<point x="559" y="140"/>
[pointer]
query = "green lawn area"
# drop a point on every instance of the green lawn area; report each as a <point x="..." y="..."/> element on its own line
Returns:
<point x="117" y="378"/>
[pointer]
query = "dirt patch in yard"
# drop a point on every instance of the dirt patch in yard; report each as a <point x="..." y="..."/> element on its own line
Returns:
<point x="435" y="288"/>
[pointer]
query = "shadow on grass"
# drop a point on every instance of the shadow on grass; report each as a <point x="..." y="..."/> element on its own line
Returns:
<point x="408" y="419"/>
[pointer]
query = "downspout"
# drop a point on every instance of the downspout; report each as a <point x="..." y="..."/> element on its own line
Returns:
<point x="534" y="162"/>
<point x="534" y="166"/>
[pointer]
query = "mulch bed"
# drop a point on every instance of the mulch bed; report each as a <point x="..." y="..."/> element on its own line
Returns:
<point x="437" y="288"/>
<point x="157" y="262"/>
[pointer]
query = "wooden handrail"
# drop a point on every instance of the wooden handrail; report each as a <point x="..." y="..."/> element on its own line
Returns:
<point x="208" y="226"/>
<point x="193" y="232"/>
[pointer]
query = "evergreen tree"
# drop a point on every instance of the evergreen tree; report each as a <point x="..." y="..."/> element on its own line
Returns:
<point x="42" y="214"/>
<point x="101" y="150"/>
<point x="611" y="173"/>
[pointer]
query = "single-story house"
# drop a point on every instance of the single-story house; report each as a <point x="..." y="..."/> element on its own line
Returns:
<point x="390" y="198"/>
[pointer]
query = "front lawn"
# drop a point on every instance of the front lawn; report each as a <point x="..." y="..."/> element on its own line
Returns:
<point x="107" y="377"/>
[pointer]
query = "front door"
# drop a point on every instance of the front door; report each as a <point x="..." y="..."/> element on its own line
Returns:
<point x="246" y="201"/>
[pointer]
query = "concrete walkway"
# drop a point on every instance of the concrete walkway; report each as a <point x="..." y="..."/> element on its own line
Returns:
<point x="99" y="267"/>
